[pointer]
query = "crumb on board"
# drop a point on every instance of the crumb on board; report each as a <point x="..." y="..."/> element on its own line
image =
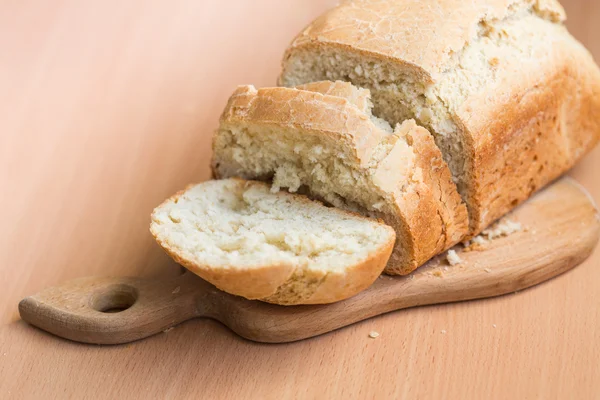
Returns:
<point x="473" y="247"/>
<point x="412" y="277"/>
<point x="502" y="228"/>
<point x="494" y="325"/>
<point x="488" y="270"/>
<point x="438" y="273"/>
<point x="373" y="334"/>
<point x="443" y="331"/>
<point x="479" y="240"/>
<point x="168" y="330"/>
<point x="176" y="290"/>
<point x="453" y="258"/>
<point x="477" y="243"/>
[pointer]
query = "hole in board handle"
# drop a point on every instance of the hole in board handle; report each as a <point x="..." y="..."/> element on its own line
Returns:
<point x="114" y="298"/>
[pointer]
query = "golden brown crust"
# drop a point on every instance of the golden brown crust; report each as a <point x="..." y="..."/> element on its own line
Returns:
<point x="254" y="283"/>
<point x="361" y="98"/>
<point x="526" y="126"/>
<point x="332" y="287"/>
<point x="358" y="278"/>
<point x="429" y="214"/>
<point x="437" y="177"/>
<point x="420" y="35"/>
<point x="300" y="109"/>
<point x="542" y="118"/>
<point x="264" y="283"/>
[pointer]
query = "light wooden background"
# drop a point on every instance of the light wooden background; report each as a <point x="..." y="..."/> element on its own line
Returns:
<point x="107" y="107"/>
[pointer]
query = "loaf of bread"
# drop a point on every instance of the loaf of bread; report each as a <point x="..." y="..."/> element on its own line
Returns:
<point x="321" y="139"/>
<point x="512" y="99"/>
<point x="276" y="247"/>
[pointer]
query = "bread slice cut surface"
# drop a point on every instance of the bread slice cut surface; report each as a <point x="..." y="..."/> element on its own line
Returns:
<point x="321" y="139"/>
<point x="277" y="247"/>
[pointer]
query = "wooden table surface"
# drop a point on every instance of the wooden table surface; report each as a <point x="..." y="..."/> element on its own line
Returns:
<point x="107" y="107"/>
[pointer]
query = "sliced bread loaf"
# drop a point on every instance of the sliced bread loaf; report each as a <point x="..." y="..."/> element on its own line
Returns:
<point x="276" y="247"/>
<point x="510" y="96"/>
<point x="321" y="139"/>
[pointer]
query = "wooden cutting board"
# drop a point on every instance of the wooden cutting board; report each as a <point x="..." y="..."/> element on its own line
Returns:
<point x="561" y="226"/>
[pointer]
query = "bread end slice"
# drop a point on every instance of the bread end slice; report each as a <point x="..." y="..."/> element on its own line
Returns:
<point x="276" y="247"/>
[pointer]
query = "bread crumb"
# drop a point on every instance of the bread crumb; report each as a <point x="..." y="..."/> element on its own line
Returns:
<point x="437" y="273"/>
<point x="373" y="334"/>
<point x="177" y="290"/>
<point x="474" y="247"/>
<point x="479" y="240"/>
<point x="443" y="331"/>
<point x="494" y="325"/>
<point x="412" y="277"/>
<point x="488" y="270"/>
<point x="502" y="228"/>
<point x="478" y="243"/>
<point x="168" y="330"/>
<point x="453" y="258"/>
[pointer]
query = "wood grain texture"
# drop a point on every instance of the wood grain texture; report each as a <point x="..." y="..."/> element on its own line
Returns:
<point x="560" y="228"/>
<point x="107" y="108"/>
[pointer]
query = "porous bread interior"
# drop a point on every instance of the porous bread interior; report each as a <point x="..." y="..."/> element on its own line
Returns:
<point x="298" y="159"/>
<point x="233" y="224"/>
<point x="315" y="163"/>
<point x="398" y="94"/>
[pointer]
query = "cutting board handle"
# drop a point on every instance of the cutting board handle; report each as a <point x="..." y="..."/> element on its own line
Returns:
<point x="117" y="310"/>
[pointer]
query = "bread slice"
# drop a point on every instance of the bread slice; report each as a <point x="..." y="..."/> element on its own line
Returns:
<point x="510" y="96"/>
<point x="276" y="247"/>
<point x="321" y="139"/>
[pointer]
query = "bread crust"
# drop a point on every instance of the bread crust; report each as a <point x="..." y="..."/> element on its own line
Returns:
<point x="549" y="123"/>
<point x="437" y="177"/>
<point x="422" y="35"/>
<point x="536" y="120"/>
<point x="266" y="282"/>
<point x="331" y="116"/>
<point x="429" y="215"/>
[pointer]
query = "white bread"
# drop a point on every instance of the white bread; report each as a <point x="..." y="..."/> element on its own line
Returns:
<point x="276" y="247"/>
<point x="321" y="139"/>
<point x="511" y="97"/>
